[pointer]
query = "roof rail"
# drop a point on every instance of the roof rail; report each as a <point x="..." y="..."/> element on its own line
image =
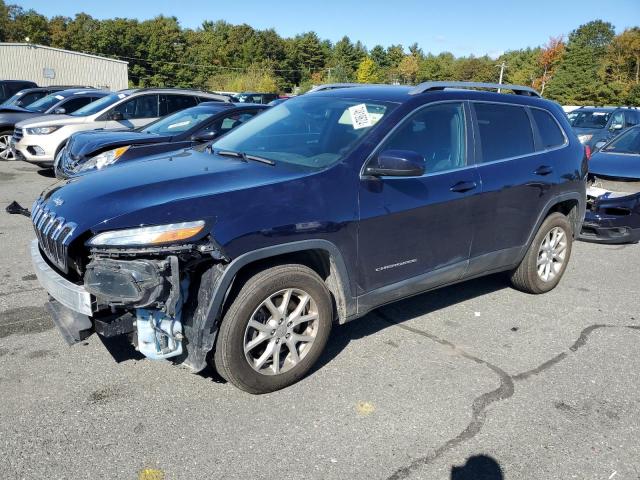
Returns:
<point x="517" y="89"/>
<point x="333" y="86"/>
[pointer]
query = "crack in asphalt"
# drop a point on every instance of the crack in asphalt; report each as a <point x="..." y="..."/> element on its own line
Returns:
<point x="481" y="403"/>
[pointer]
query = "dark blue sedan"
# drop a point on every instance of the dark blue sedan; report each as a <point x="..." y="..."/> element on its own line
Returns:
<point x="99" y="149"/>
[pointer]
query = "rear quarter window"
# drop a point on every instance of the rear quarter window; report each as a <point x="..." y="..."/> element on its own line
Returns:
<point x="505" y="131"/>
<point x="550" y="134"/>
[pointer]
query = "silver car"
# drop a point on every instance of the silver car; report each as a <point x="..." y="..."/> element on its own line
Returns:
<point x="39" y="140"/>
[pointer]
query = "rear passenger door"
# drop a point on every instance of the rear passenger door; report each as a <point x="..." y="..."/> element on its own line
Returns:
<point x="519" y="161"/>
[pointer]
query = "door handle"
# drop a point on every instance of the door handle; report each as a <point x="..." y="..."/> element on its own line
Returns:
<point x="543" y="170"/>
<point x="463" y="186"/>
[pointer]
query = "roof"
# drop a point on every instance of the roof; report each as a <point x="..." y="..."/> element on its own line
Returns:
<point x="186" y="91"/>
<point x="77" y="91"/>
<point x="71" y="52"/>
<point x="389" y="93"/>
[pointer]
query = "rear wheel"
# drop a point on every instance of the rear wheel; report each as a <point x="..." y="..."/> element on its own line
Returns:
<point x="546" y="260"/>
<point x="275" y="329"/>
<point x="5" y="149"/>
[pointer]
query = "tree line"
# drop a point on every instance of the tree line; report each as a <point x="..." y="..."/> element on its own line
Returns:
<point x="591" y="66"/>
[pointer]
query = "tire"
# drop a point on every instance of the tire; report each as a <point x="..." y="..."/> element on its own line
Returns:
<point x="527" y="277"/>
<point x="5" y="153"/>
<point x="255" y="370"/>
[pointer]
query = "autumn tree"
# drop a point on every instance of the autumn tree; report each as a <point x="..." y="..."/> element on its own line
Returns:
<point x="549" y="58"/>
<point x="368" y="71"/>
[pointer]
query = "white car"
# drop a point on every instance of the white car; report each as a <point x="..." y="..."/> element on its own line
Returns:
<point x="39" y="140"/>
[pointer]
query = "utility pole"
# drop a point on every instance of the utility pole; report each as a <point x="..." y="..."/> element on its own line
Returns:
<point x="329" y="75"/>
<point x="502" y="66"/>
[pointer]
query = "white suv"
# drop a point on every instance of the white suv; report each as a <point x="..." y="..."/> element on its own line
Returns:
<point x="38" y="140"/>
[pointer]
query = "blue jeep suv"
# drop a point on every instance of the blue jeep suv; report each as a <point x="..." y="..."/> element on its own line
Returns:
<point x="321" y="209"/>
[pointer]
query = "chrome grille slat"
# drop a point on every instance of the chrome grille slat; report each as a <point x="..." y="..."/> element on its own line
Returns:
<point x="53" y="232"/>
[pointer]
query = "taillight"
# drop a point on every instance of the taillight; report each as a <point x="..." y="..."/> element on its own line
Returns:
<point x="587" y="152"/>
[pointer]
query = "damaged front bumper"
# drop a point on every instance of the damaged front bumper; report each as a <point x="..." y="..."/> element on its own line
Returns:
<point x="140" y="297"/>
<point x="612" y="216"/>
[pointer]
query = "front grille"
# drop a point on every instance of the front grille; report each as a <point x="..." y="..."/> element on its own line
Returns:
<point x="54" y="234"/>
<point x="17" y="134"/>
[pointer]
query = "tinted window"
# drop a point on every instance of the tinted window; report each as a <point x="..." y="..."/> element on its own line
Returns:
<point x="29" y="98"/>
<point x="76" y="103"/>
<point x="628" y="142"/>
<point x="505" y="131"/>
<point x="224" y="124"/>
<point x="436" y="133"/>
<point x="588" y="119"/>
<point x="144" y="106"/>
<point x="173" y="103"/>
<point x="45" y="103"/>
<point x="550" y="133"/>
<point x="632" y="118"/>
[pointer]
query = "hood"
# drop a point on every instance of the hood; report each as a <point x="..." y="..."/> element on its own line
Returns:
<point x="86" y="144"/>
<point x="15" y="117"/>
<point x="45" y="120"/>
<point x="618" y="165"/>
<point x="161" y="190"/>
<point x="12" y="108"/>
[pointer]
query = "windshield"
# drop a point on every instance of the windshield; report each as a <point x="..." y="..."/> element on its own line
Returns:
<point x="628" y="142"/>
<point x="179" y="122"/>
<point x="590" y="119"/>
<point x="45" y="103"/>
<point x="98" y="105"/>
<point x="312" y="131"/>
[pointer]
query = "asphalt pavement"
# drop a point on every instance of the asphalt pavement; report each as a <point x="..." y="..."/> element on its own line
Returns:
<point x="475" y="381"/>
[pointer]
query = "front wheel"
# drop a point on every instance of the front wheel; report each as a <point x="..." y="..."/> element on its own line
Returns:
<point x="275" y="329"/>
<point x="547" y="257"/>
<point x="5" y="146"/>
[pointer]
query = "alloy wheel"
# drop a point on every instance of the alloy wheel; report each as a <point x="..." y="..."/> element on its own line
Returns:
<point x="281" y="331"/>
<point x="5" y="150"/>
<point x="551" y="255"/>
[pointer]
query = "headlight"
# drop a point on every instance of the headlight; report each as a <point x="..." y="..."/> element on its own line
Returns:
<point x="41" y="130"/>
<point x="104" y="159"/>
<point x="174" y="232"/>
<point x="584" y="138"/>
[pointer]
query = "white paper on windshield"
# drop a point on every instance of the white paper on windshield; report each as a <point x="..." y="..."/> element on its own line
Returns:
<point x="59" y="97"/>
<point x="360" y="116"/>
<point x="121" y="95"/>
<point x="179" y="124"/>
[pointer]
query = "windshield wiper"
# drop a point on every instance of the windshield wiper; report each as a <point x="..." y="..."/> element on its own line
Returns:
<point x="245" y="157"/>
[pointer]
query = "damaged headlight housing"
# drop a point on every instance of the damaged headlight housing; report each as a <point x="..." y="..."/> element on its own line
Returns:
<point x="104" y="159"/>
<point x="148" y="236"/>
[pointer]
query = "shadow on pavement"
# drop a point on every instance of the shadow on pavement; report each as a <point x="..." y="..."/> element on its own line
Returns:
<point x="478" y="467"/>
<point x="47" y="172"/>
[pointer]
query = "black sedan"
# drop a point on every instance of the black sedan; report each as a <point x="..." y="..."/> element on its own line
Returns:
<point x="95" y="150"/>
<point x="613" y="196"/>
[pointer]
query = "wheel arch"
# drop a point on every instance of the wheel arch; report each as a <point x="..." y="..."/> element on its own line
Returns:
<point x="322" y="256"/>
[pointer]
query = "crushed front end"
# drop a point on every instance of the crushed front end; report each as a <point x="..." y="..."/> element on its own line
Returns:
<point x="613" y="211"/>
<point x="134" y="282"/>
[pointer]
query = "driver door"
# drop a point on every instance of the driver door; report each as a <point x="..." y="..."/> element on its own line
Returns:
<point x="135" y="112"/>
<point x="416" y="232"/>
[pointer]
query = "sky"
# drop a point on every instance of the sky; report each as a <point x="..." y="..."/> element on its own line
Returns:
<point x="462" y="27"/>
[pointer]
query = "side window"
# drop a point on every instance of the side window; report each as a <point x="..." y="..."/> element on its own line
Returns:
<point x="144" y="106"/>
<point x="618" y="119"/>
<point x="550" y="133"/>
<point x="173" y="103"/>
<point x="437" y="133"/>
<point x="505" y="131"/>
<point x="75" y="103"/>
<point x="29" y="98"/>
<point x="632" y="118"/>
<point x="229" y="122"/>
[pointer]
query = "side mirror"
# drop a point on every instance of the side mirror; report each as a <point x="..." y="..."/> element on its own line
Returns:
<point x="616" y="126"/>
<point x="204" y="136"/>
<point x="59" y="111"/>
<point x="396" y="163"/>
<point x="116" y="116"/>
